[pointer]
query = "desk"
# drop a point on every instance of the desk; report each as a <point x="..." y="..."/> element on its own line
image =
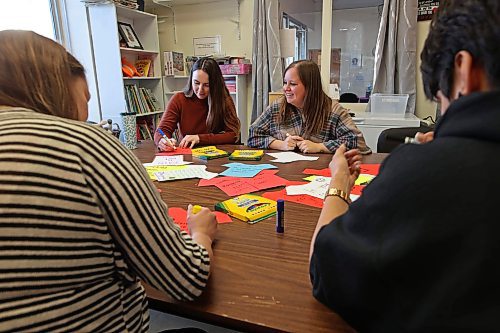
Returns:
<point x="260" y="280"/>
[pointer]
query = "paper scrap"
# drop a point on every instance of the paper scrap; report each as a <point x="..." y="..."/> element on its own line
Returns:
<point x="244" y="170"/>
<point x="152" y="169"/>
<point x="178" y="151"/>
<point x="289" y="156"/>
<point x="168" y="160"/>
<point x="234" y="186"/>
<point x="179" y="215"/>
<point x="316" y="188"/>
<point x="189" y="171"/>
<point x="300" y="199"/>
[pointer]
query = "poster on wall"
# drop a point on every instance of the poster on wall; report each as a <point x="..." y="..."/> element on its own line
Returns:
<point x="207" y="46"/>
<point x="426" y="8"/>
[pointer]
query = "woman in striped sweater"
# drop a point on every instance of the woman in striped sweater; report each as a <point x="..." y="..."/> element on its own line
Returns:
<point x="80" y="222"/>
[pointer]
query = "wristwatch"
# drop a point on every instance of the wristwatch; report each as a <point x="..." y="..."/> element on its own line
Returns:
<point x="338" y="193"/>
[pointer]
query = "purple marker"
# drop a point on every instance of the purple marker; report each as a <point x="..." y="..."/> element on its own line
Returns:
<point x="280" y="216"/>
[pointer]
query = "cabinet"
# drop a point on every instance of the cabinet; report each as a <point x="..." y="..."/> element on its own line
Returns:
<point x="237" y="87"/>
<point x="106" y="52"/>
<point x="371" y="126"/>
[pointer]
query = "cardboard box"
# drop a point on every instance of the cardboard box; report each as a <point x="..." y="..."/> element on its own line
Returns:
<point x="236" y="69"/>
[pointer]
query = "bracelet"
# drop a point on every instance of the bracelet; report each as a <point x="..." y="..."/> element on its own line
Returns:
<point x="335" y="192"/>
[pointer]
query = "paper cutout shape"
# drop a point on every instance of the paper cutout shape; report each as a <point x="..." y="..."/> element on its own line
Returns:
<point x="189" y="171"/>
<point x="245" y="170"/>
<point x="316" y="188"/>
<point x="178" y="151"/>
<point x="152" y="169"/>
<point x="303" y="199"/>
<point x="364" y="179"/>
<point x="290" y="156"/>
<point x="370" y="169"/>
<point x="234" y="186"/>
<point x="168" y="160"/>
<point x="319" y="172"/>
<point x="179" y="215"/>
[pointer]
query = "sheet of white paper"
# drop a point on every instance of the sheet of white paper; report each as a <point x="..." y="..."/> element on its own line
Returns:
<point x="191" y="171"/>
<point x="290" y="156"/>
<point x="316" y="188"/>
<point x="168" y="160"/>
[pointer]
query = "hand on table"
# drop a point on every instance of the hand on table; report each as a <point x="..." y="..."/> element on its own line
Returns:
<point x="290" y="142"/>
<point x="344" y="168"/>
<point x="309" y="147"/>
<point x="166" y="145"/>
<point x="189" y="141"/>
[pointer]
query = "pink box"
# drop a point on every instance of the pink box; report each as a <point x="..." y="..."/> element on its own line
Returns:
<point x="236" y="69"/>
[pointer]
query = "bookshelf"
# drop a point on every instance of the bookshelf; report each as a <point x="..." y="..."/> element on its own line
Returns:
<point x="107" y="54"/>
<point x="237" y="87"/>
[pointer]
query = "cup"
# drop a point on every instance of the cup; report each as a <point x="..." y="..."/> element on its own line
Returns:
<point x="129" y="130"/>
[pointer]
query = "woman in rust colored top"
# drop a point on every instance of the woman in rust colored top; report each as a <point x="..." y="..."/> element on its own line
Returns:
<point x="203" y="113"/>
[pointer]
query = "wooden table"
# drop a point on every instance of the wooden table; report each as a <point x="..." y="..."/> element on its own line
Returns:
<point x="260" y="279"/>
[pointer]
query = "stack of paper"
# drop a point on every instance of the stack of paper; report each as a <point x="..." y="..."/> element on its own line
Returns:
<point x="290" y="156"/>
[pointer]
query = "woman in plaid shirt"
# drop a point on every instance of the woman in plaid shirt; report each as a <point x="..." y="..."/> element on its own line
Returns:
<point x="305" y="118"/>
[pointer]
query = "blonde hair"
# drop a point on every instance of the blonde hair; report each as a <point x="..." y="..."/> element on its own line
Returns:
<point x="37" y="73"/>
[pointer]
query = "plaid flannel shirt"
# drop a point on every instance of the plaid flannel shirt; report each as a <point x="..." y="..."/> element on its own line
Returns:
<point x="339" y="129"/>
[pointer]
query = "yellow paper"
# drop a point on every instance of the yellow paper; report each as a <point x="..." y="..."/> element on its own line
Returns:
<point x="364" y="179"/>
<point x="158" y="168"/>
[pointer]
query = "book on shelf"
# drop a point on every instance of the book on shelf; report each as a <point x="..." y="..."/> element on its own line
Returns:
<point x="140" y="100"/>
<point x="151" y="63"/>
<point x="249" y="208"/>
<point x="247" y="155"/>
<point x="174" y="63"/>
<point x="143" y="66"/>
<point x="209" y="152"/>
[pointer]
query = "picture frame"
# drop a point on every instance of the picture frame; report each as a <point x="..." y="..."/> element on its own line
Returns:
<point x="127" y="33"/>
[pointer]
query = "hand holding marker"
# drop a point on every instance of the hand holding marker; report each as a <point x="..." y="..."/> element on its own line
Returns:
<point x="166" y="138"/>
<point x="196" y="209"/>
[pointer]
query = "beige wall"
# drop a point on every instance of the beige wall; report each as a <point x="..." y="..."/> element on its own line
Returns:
<point x="424" y="107"/>
<point x="206" y="20"/>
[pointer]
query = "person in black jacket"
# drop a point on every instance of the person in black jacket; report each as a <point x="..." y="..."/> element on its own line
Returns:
<point x="418" y="251"/>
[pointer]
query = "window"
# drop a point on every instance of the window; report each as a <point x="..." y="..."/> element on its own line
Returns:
<point x="300" y="36"/>
<point x="33" y="15"/>
<point x="353" y="35"/>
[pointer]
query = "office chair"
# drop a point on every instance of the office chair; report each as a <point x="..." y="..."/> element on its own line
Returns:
<point x="349" y="98"/>
<point x="393" y="137"/>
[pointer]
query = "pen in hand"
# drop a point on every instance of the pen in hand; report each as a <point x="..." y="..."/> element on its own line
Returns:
<point x="166" y="138"/>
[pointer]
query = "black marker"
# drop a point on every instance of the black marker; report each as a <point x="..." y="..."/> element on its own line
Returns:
<point x="280" y="216"/>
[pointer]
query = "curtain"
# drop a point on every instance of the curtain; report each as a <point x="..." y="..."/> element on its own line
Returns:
<point x="395" y="55"/>
<point x="266" y="60"/>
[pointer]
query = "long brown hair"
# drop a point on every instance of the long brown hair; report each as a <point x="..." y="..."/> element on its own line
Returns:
<point x="37" y="73"/>
<point x="317" y="104"/>
<point x="218" y="115"/>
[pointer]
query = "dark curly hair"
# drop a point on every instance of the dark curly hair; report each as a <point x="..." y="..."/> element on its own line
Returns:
<point x="469" y="25"/>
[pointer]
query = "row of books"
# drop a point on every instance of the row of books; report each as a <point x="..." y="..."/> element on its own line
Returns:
<point x="177" y="66"/>
<point x="140" y="100"/>
<point x="146" y="126"/>
<point x="230" y="84"/>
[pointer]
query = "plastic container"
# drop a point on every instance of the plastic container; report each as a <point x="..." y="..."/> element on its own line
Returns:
<point x="388" y="105"/>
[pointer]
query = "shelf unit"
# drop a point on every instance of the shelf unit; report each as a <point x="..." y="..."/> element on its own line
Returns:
<point x="174" y="84"/>
<point x="103" y="27"/>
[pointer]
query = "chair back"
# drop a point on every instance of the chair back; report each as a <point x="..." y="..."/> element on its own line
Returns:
<point x="349" y="98"/>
